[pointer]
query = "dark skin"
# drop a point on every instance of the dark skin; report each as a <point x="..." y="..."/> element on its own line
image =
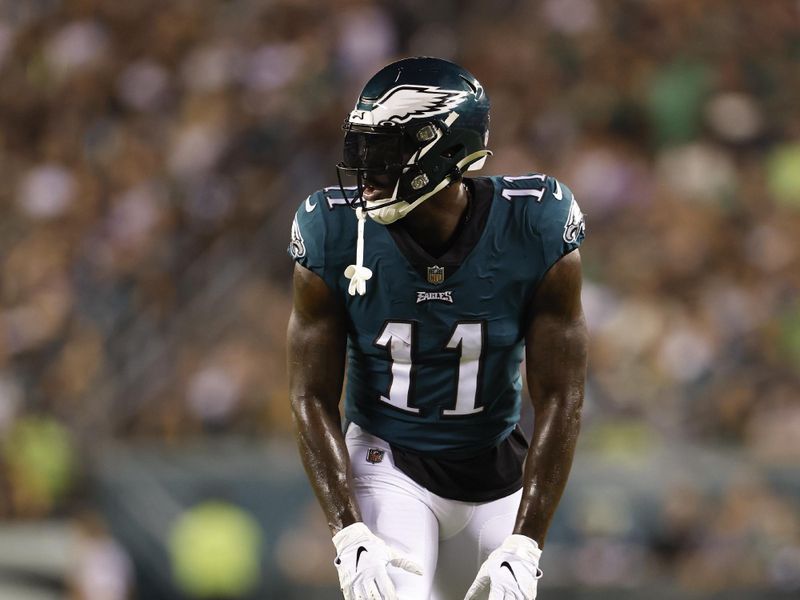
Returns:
<point x="556" y="348"/>
<point x="555" y="357"/>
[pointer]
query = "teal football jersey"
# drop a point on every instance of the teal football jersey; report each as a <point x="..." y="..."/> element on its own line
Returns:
<point x="435" y="344"/>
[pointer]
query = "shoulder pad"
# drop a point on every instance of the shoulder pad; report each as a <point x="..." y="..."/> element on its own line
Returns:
<point x="333" y="198"/>
<point x="549" y="211"/>
<point x="532" y="186"/>
<point x="323" y="228"/>
<point x="307" y="242"/>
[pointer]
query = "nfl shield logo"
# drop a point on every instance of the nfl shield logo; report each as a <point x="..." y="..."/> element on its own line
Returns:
<point x="374" y="455"/>
<point x="435" y="275"/>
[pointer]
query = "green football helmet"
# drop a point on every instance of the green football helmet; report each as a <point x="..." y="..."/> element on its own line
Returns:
<point x="418" y="125"/>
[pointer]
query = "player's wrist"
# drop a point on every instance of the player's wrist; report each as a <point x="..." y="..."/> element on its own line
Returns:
<point x="524" y="541"/>
<point x="523" y="546"/>
<point x="352" y="534"/>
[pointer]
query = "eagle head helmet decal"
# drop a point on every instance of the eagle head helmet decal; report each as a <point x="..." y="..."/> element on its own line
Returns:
<point x="403" y="103"/>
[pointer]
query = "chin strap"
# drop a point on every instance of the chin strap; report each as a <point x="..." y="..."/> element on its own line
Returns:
<point x="462" y="165"/>
<point x="465" y="163"/>
<point x="358" y="274"/>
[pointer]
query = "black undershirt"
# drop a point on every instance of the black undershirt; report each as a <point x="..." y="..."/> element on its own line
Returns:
<point x="487" y="476"/>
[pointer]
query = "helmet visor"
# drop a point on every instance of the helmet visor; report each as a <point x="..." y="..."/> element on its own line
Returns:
<point x="373" y="151"/>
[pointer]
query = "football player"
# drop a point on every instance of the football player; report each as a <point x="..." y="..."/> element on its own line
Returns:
<point x="428" y="288"/>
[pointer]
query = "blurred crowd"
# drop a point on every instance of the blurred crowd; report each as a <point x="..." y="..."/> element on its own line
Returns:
<point x="152" y="154"/>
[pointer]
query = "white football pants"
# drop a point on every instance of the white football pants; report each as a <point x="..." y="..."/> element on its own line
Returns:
<point x="448" y="538"/>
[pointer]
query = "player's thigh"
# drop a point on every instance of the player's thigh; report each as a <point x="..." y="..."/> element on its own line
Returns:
<point x="395" y="509"/>
<point x="407" y="525"/>
<point x="461" y="556"/>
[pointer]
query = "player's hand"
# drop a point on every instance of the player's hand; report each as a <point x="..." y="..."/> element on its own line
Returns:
<point x="510" y="573"/>
<point x="361" y="560"/>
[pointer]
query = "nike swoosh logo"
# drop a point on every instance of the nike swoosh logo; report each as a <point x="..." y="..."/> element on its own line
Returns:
<point x="358" y="554"/>
<point x="310" y="207"/>
<point x="557" y="194"/>
<point x="508" y="566"/>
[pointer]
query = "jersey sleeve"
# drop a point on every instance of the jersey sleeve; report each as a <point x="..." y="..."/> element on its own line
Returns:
<point x="560" y="224"/>
<point x="307" y="241"/>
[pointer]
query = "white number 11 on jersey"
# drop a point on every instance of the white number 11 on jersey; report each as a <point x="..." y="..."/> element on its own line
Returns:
<point x="467" y="339"/>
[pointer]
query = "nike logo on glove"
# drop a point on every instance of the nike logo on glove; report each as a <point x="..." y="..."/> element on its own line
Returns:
<point x="358" y="554"/>
<point x="309" y="206"/>
<point x="510" y="570"/>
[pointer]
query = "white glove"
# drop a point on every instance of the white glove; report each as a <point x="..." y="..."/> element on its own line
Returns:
<point x="510" y="573"/>
<point x="361" y="561"/>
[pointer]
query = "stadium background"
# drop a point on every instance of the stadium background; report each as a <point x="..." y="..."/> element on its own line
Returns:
<point x="152" y="153"/>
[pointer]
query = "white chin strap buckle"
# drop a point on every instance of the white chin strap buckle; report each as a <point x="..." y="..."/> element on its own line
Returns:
<point x="358" y="274"/>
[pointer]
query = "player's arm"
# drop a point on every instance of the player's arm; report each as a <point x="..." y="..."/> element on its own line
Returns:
<point x="556" y="348"/>
<point x="316" y="341"/>
<point x="316" y="347"/>
<point x="556" y="368"/>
